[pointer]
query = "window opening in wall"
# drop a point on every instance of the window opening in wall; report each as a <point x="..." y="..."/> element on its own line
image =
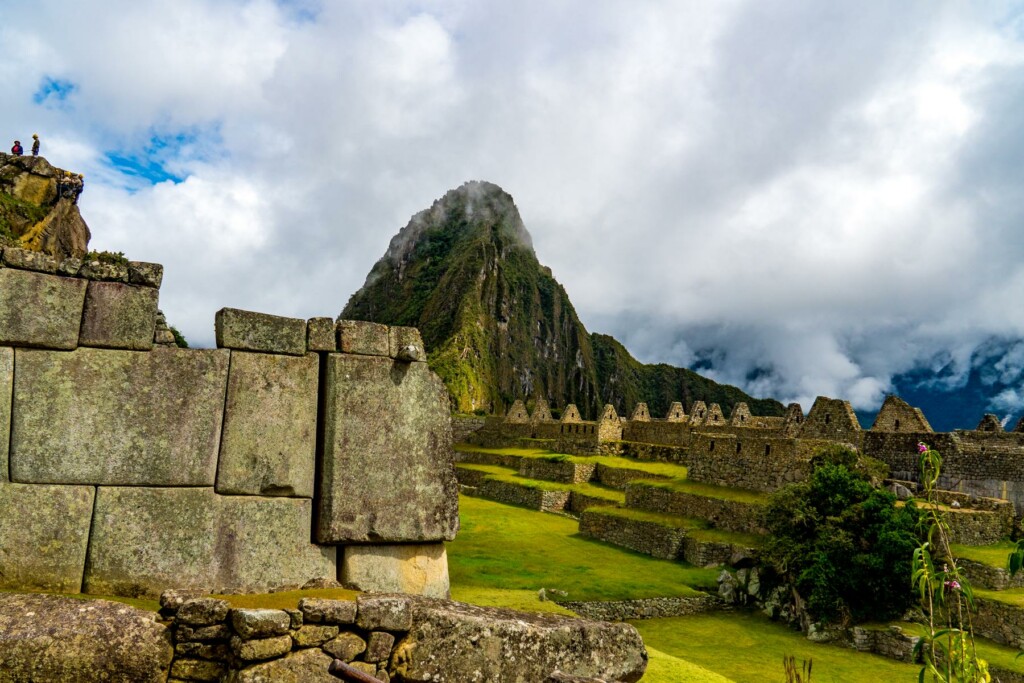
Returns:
<point x="711" y="446"/>
<point x="828" y="418"/>
<point x="739" y="446"/>
<point x="897" y="425"/>
<point x="767" y="449"/>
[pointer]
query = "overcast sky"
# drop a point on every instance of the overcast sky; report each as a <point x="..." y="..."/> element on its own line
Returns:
<point x="828" y="192"/>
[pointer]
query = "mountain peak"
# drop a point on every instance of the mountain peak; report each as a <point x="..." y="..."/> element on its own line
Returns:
<point x="496" y="324"/>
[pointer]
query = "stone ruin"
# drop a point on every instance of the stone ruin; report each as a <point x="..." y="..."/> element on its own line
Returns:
<point x="297" y="452"/>
<point x="764" y="453"/>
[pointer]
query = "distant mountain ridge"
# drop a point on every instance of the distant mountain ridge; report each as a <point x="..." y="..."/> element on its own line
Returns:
<point x="498" y="326"/>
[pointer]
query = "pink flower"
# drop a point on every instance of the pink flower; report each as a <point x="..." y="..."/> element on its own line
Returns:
<point x="953" y="585"/>
<point x="922" y="447"/>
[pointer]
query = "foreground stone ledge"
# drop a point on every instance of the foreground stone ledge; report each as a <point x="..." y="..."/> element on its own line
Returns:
<point x="29" y="259"/>
<point x="40" y="310"/>
<point x="387" y="466"/>
<point x="119" y="316"/>
<point x="320" y="334"/>
<point x="44" y="533"/>
<point x="417" y="569"/>
<point x="269" y="443"/>
<point x="6" y="382"/>
<point x="145" y="274"/>
<point x="250" y="331"/>
<point x="48" y="638"/>
<point x="452" y="641"/>
<point x="106" y="417"/>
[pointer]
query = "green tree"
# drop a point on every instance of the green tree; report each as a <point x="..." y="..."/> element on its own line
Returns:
<point x="843" y="545"/>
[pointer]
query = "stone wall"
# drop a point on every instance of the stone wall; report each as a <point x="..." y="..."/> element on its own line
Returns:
<point x="464" y="425"/>
<point x="732" y="515"/>
<point x="644" y="608"/>
<point x="999" y="622"/>
<point x="647" y="537"/>
<point x="126" y="467"/>
<point x="556" y="470"/>
<point x="748" y="460"/>
<point x="384" y="637"/>
<point x="986" y="576"/>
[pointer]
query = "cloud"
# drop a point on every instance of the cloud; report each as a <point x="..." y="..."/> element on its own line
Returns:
<point x="803" y="198"/>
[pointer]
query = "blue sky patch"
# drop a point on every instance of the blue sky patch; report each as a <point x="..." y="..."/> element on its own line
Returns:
<point x="54" y="92"/>
<point x="167" y="155"/>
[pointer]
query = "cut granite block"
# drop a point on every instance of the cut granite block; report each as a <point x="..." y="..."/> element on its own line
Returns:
<point x="6" y="383"/>
<point x="269" y="442"/>
<point x="320" y="334"/>
<point x="400" y="339"/>
<point x="145" y="274"/>
<point x="29" y="259"/>
<point x="146" y="539"/>
<point x="96" y="416"/>
<point x="40" y="310"/>
<point x="119" y="316"/>
<point x="414" y="568"/>
<point x="387" y="472"/>
<point x="44" y="531"/>
<point x="249" y="331"/>
<point x="358" y="336"/>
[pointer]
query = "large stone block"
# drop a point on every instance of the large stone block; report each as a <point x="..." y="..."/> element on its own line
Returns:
<point x="387" y="471"/>
<point x="119" y="316"/>
<point x="146" y="539"/>
<point x="105" y="417"/>
<point x="6" y="380"/>
<point x="418" y="569"/>
<point x="269" y="442"/>
<point x="40" y="310"/>
<point x="44" y="531"/>
<point x="451" y="641"/>
<point x="47" y="638"/>
<point x="265" y="543"/>
<point x="249" y="331"/>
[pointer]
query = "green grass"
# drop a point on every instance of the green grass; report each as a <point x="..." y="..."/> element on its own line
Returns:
<point x="673" y="521"/>
<point x="1012" y="596"/>
<point x="661" y="469"/>
<point x="664" y="668"/>
<point x="509" y="475"/>
<point x="748" y="648"/>
<point x="505" y="547"/>
<point x="994" y="555"/>
<point x="711" y="491"/>
<point x="286" y="599"/>
<point x="525" y="600"/>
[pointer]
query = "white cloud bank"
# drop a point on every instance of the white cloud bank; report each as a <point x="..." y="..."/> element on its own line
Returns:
<point x="825" y="194"/>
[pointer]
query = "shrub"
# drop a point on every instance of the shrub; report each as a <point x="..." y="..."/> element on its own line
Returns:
<point x="844" y="546"/>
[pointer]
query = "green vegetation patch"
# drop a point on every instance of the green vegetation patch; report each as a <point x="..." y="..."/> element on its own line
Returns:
<point x="141" y="603"/>
<point x="525" y="600"/>
<point x="748" y="648"/>
<point x="489" y="469"/>
<point x="521" y="452"/>
<point x="1012" y="596"/>
<point x="994" y="555"/>
<point x="17" y="212"/>
<point x="664" y="668"/>
<point x="724" y="536"/>
<point x="711" y="491"/>
<point x="673" y="521"/>
<point x="286" y="599"/>
<point x="510" y="548"/>
<point x="664" y="469"/>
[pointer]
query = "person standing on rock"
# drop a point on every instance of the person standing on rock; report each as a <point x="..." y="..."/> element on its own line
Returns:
<point x="17" y="150"/>
<point x="35" y="144"/>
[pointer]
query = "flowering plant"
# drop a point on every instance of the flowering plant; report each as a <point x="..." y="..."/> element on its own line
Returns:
<point x="948" y="649"/>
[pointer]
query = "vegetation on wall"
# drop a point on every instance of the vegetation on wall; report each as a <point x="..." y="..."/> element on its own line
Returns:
<point x="844" y="546"/>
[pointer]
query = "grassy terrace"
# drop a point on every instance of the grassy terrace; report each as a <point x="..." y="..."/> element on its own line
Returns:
<point x="711" y="491"/>
<point x="509" y="475"/>
<point x="1012" y="596"/>
<point x="660" y="469"/>
<point x="698" y="528"/>
<point x="501" y="547"/>
<point x="748" y="648"/>
<point x="994" y="555"/>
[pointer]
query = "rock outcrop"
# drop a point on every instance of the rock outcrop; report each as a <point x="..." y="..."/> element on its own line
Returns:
<point x="39" y="207"/>
<point x="51" y="638"/>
